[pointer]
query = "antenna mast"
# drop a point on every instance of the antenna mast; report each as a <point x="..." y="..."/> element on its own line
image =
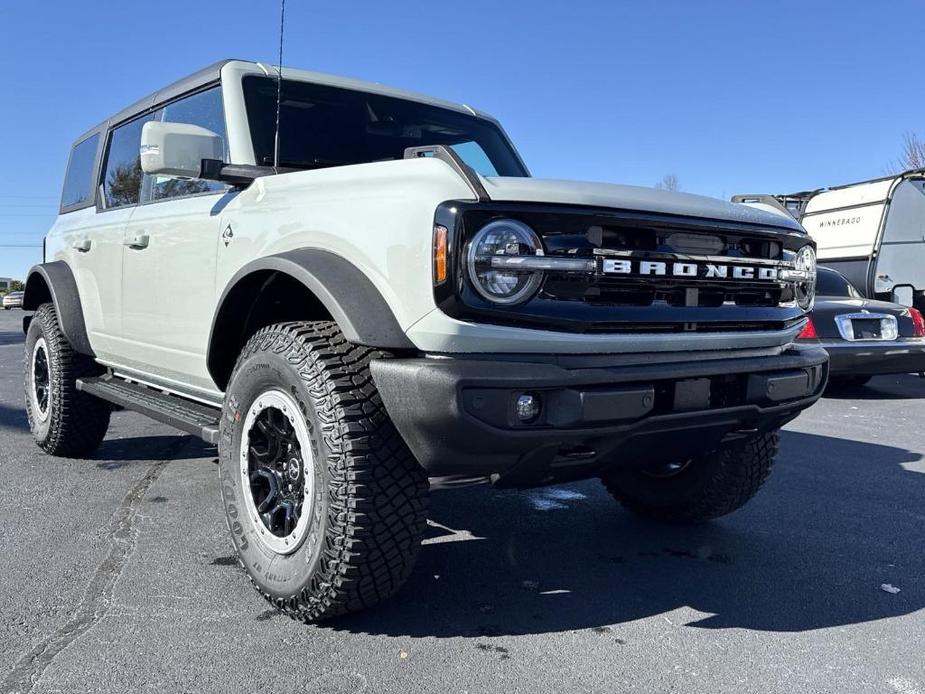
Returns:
<point x="279" y="82"/>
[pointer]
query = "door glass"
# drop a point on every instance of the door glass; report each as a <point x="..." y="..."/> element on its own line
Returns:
<point x="122" y="181"/>
<point x="78" y="181"/>
<point x="205" y="110"/>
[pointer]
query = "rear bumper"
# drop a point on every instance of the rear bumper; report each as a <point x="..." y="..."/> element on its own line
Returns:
<point x="872" y="358"/>
<point x="458" y="415"/>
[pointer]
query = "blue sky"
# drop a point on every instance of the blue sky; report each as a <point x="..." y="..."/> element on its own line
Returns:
<point x="729" y="97"/>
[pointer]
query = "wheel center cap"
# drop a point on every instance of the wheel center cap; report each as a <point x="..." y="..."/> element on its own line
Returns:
<point x="294" y="469"/>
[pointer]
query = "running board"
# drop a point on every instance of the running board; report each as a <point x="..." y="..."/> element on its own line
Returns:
<point x="192" y="417"/>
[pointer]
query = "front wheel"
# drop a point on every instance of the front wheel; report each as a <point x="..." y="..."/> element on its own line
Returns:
<point x="325" y="503"/>
<point x="698" y="489"/>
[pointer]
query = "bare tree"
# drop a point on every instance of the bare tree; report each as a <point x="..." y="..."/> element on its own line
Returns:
<point x="669" y="182"/>
<point x="913" y="154"/>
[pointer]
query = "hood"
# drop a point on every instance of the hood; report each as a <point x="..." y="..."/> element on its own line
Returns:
<point x="630" y="198"/>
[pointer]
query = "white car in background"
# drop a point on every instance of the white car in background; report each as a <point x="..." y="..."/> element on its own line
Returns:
<point x="12" y="300"/>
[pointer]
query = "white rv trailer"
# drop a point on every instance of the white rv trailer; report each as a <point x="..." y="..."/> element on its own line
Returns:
<point x="872" y="231"/>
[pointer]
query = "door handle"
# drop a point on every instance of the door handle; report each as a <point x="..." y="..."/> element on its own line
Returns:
<point x="81" y="246"/>
<point x="137" y="241"/>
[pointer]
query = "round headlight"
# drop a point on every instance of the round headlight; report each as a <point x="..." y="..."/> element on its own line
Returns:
<point x="805" y="289"/>
<point x="503" y="238"/>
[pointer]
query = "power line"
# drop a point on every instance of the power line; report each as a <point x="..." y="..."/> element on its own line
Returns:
<point x="19" y="245"/>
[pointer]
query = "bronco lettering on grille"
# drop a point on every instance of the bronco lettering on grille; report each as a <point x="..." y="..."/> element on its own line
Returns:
<point x="657" y="268"/>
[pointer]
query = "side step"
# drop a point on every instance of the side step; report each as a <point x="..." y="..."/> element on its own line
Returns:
<point x="191" y="417"/>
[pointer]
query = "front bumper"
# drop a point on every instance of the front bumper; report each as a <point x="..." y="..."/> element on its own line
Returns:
<point x="872" y="358"/>
<point x="457" y="414"/>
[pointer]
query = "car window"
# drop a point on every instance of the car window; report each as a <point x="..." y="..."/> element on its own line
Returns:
<point x="78" y="181"/>
<point x="122" y="180"/>
<point x="831" y="283"/>
<point x="323" y="126"/>
<point x="204" y="109"/>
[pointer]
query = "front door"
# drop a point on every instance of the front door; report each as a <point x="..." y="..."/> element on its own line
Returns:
<point x="169" y="256"/>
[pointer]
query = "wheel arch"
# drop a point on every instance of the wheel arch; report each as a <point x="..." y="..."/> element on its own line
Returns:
<point x="302" y="284"/>
<point x="54" y="282"/>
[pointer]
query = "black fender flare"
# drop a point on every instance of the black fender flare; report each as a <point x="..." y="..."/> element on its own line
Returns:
<point x="55" y="282"/>
<point x="353" y="301"/>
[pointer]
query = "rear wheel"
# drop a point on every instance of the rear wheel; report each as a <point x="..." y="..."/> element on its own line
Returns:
<point x="326" y="504"/>
<point x="64" y="421"/>
<point x="698" y="489"/>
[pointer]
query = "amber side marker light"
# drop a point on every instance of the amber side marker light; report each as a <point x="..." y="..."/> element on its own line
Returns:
<point x="439" y="254"/>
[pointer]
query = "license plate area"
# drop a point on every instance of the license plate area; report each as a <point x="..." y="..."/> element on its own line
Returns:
<point x="866" y="329"/>
<point x="867" y="326"/>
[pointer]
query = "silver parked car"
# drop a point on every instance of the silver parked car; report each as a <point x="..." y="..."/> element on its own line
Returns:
<point x="12" y="300"/>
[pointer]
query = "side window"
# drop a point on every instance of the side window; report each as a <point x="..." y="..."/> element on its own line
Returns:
<point x="122" y="180"/>
<point x="205" y="110"/>
<point x="78" y="181"/>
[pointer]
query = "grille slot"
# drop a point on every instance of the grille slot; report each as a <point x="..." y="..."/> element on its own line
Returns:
<point x="608" y="291"/>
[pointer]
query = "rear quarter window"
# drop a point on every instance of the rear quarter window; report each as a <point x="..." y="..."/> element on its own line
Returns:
<point x="78" y="180"/>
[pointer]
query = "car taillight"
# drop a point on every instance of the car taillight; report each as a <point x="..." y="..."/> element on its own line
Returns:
<point x="809" y="331"/>
<point x="918" y="322"/>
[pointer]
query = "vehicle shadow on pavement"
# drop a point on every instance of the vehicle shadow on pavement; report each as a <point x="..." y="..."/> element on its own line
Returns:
<point x="117" y="453"/>
<point x="11" y="338"/>
<point x="905" y="386"/>
<point x="836" y="521"/>
<point x="13" y="418"/>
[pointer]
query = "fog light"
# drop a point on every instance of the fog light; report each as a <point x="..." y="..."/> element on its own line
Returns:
<point x="527" y="407"/>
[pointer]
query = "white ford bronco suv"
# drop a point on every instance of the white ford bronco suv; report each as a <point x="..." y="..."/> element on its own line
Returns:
<point x="355" y="291"/>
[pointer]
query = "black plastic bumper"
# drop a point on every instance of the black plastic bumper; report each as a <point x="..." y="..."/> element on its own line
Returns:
<point x="458" y="416"/>
<point x="872" y="358"/>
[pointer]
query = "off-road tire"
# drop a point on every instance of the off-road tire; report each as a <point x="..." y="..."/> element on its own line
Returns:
<point x="370" y="500"/>
<point x="710" y="486"/>
<point x="76" y="422"/>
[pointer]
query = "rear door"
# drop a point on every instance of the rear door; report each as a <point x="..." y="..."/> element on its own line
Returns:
<point x="88" y="237"/>
<point x="902" y="250"/>
<point x="119" y="195"/>
<point x="169" y="256"/>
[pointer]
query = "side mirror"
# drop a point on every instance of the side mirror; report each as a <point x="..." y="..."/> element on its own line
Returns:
<point x="177" y="149"/>
<point x="902" y="294"/>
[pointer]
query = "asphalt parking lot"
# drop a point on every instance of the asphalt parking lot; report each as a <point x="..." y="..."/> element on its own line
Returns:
<point x="117" y="576"/>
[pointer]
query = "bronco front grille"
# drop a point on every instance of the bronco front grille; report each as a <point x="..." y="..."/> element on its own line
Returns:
<point x="626" y="271"/>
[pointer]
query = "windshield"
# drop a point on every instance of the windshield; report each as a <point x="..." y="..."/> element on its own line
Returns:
<point x="328" y="126"/>
<point x="832" y="283"/>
